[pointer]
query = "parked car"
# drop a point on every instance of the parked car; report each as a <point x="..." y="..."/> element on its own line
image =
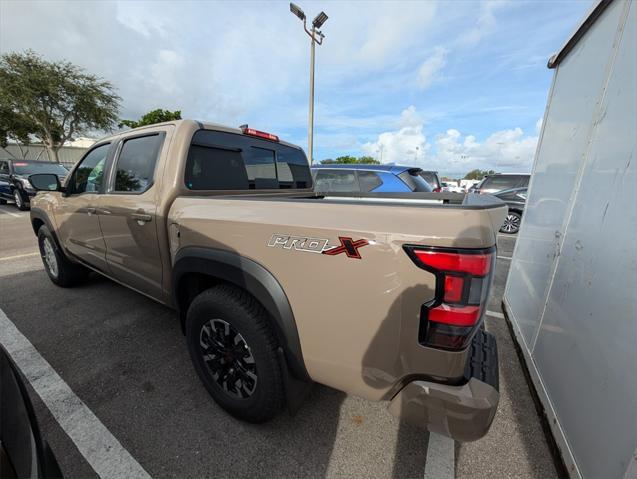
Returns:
<point x="451" y="187"/>
<point x="276" y="285"/>
<point x="14" y="182"/>
<point x="433" y="179"/>
<point x="355" y="178"/>
<point x="515" y="199"/>
<point x="502" y="181"/>
<point x="24" y="452"/>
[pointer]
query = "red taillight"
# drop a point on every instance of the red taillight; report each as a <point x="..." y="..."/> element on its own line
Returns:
<point x="474" y="264"/>
<point x="437" y="190"/>
<point x="453" y="289"/>
<point x="463" y="280"/>
<point x="260" y="134"/>
<point x="456" y="316"/>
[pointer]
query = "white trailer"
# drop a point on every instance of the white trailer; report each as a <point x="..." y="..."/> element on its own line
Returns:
<point x="571" y="294"/>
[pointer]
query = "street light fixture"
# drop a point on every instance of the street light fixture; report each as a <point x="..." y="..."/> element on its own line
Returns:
<point x="317" y="37"/>
<point x="297" y="11"/>
<point x="319" y="20"/>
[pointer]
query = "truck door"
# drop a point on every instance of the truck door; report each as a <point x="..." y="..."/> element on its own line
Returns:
<point x="128" y="214"/>
<point x="78" y="224"/>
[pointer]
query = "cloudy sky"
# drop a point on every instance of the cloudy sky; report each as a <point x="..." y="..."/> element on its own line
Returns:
<point x="449" y="85"/>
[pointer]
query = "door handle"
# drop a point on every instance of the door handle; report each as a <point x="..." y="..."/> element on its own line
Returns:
<point x="141" y="218"/>
<point x="91" y="211"/>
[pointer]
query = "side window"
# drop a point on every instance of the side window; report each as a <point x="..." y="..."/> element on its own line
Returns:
<point x="88" y="176"/>
<point x="4" y="167"/>
<point x="368" y="181"/>
<point x="336" y="181"/>
<point x="524" y="182"/>
<point x="136" y="163"/>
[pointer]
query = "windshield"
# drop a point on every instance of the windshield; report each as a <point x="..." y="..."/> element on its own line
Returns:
<point x="30" y="168"/>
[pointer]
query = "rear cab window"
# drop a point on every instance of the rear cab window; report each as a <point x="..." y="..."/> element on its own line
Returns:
<point x="231" y="161"/>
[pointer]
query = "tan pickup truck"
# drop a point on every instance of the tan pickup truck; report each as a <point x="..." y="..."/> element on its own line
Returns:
<point x="276" y="286"/>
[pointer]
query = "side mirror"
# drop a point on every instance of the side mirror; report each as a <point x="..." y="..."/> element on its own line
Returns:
<point x="45" y="182"/>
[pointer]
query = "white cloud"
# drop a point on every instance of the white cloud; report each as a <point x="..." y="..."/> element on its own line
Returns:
<point x="431" y="67"/>
<point x="221" y="61"/>
<point x="485" y="24"/>
<point x="406" y="145"/>
<point x="453" y="152"/>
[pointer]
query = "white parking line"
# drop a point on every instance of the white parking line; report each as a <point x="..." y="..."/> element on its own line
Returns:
<point x="505" y="257"/>
<point x="506" y="236"/>
<point x="440" y="457"/>
<point x="495" y="314"/>
<point x="11" y="213"/>
<point x="100" y="448"/>
<point x="18" y="256"/>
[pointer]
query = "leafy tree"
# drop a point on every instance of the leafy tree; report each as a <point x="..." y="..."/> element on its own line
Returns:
<point x="478" y="174"/>
<point x="348" y="160"/>
<point x="152" y="117"/>
<point x="52" y="101"/>
<point x="16" y="128"/>
<point x="351" y="160"/>
<point x="368" y="160"/>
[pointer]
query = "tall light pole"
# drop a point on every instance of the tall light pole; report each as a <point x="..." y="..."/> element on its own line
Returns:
<point x="316" y="37"/>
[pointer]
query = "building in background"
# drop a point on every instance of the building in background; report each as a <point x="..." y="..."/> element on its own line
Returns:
<point x="69" y="154"/>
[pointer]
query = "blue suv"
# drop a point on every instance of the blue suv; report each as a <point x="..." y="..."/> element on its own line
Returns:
<point x="357" y="178"/>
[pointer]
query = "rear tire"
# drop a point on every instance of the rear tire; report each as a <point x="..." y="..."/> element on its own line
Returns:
<point x="60" y="270"/>
<point x="20" y="202"/>
<point x="511" y="223"/>
<point x="234" y="352"/>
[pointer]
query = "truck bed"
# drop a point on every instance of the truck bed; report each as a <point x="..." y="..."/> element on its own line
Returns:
<point x="382" y="287"/>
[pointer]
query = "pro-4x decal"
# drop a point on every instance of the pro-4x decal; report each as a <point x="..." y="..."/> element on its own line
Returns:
<point x="347" y="245"/>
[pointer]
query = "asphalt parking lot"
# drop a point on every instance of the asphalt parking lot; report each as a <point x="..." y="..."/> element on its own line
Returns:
<point x="124" y="356"/>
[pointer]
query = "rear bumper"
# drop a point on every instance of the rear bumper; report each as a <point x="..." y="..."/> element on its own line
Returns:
<point x="463" y="412"/>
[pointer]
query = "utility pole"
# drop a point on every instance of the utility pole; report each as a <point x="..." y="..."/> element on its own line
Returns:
<point x="316" y="36"/>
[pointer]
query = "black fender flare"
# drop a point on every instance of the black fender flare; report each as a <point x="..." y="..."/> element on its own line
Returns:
<point x="258" y="281"/>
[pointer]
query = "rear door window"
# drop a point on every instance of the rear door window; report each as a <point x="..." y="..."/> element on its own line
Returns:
<point x="368" y="181"/>
<point x="336" y="181"/>
<point x="136" y="163"/>
<point x="229" y="161"/>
